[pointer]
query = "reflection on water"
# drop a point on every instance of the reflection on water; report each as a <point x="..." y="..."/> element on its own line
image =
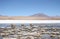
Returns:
<point x="1" y="37"/>
<point x="46" y="36"/>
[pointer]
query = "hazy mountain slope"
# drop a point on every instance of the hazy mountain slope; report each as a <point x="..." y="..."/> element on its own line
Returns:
<point x="40" y="15"/>
<point x="32" y="17"/>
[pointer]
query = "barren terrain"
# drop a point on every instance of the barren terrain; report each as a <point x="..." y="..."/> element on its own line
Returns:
<point x="32" y="17"/>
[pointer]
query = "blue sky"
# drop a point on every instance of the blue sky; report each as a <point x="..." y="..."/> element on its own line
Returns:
<point x="29" y="7"/>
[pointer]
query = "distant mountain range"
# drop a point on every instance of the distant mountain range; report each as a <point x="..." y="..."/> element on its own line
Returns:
<point x="38" y="16"/>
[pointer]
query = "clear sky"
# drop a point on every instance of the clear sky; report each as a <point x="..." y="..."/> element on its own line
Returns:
<point x="29" y="7"/>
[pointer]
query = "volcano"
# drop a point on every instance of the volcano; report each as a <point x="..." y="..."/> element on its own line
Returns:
<point x="38" y="16"/>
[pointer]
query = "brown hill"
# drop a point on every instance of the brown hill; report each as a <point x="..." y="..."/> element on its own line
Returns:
<point x="32" y="17"/>
<point x="28" y="18"/>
